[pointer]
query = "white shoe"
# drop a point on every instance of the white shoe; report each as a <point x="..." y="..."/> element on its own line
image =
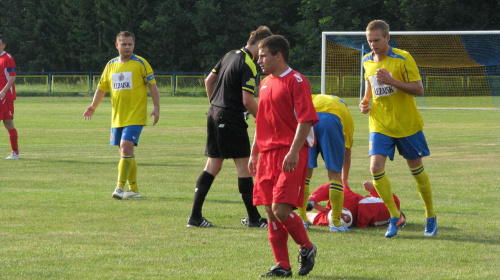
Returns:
<point x="13" y="156"/>
<point x="131" y="194"/>
<point x="118" y="193"/>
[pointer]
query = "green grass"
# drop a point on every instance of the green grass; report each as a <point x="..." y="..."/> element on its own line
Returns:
<point x="58" y="220"/>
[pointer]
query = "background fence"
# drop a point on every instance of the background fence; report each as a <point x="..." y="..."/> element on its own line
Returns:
<point x="84" y="84"/>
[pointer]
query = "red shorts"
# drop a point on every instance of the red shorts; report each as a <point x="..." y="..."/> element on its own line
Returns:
<point x="6" y="109"/>
<point x="321" y="219"/>
<point x="273" y="185"/>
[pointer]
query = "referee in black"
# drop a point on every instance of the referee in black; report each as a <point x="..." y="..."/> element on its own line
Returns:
<point x="230" y="88"/>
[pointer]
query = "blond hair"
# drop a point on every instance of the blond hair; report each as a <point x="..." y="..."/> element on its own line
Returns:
<point x="378" y="24"/>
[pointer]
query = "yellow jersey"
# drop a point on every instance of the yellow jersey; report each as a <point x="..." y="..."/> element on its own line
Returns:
<point x="394" y="113"/>
<point x="334" y="105"/>
<point x="128" y="86"/>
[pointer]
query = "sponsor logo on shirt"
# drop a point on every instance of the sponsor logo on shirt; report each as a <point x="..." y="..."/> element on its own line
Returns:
<point x="122" y="80"/>
<point x="381" y="89"/>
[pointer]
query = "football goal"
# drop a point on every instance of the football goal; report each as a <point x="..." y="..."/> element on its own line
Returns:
<point x="458" y="68"/>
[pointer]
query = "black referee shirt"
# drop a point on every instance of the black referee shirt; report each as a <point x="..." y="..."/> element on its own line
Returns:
<point x="236" y="71"/>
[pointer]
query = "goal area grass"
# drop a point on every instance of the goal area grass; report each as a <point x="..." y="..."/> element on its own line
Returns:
<point x="58" y="220"/>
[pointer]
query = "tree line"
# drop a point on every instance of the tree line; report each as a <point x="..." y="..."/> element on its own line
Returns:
<point x="192" y="35"/>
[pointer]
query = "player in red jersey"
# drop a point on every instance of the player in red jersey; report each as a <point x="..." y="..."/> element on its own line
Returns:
<point x="7" y="96"/>
<point x="282" y="137"/>
<point x="366" y="211"/>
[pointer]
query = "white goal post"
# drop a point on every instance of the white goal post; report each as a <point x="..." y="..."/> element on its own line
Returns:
<point x="451" y="63"/>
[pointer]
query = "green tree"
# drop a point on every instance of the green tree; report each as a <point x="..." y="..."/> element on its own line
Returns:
<point x="451" y="15"/>
<point x="171" y="39"/>
<point x="83" y="52"/>
<point x="192" y="35"/>
<point x="35" y="34"/>
<point x="114" y="16"/>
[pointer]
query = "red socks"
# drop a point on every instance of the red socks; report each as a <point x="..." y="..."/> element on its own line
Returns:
<point x="295" y="227"/>
<point x="13" y="140"/>
<point x="278" y="237"/>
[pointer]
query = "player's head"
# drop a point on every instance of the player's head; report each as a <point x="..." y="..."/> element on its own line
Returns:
<point x="378" y="24"/>
<point x="257" y="35"/>
<point x="277" y="44"/>
<point x="125" y="34"/>
<point x="274" y="52"/>
<point x="125" y="43"/>
<point x="377" y="35"/>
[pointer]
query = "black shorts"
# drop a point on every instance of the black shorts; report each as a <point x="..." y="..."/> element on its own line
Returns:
<point x="227" y="135"/>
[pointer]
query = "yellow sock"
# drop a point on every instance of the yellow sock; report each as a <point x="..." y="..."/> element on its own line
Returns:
<point x="302" y="210"/>
<point x="124" y="167"/>
<point x="383" y="187"/>
<point x="336" y="195"/>
<point x="132" y="178"/>
<point x="424" y="189"/>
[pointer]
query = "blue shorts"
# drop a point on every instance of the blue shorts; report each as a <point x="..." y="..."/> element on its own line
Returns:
<point x="411" y="147"/>
<point x="330" y="142"/>
<point x="130" y="133"/>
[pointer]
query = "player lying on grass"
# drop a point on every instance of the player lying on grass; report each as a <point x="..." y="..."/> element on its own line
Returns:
<point x="367" y="210"/>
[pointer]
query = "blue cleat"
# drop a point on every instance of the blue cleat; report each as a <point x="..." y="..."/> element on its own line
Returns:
<point x="394" y="225"/>
<point x="339" y="229"/>
<point x="431" y="228"/>
<point x="306" y="225"/>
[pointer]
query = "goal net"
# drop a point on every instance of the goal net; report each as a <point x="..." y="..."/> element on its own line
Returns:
<point x="458" y="68"/>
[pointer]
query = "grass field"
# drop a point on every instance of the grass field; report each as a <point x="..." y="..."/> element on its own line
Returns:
<point x="58" y="220"/>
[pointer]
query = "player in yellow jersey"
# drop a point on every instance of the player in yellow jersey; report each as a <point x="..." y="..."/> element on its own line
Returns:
<point x="392" y="79"/>
<point x="127" y="78"/>
<point x="334" y="138"/>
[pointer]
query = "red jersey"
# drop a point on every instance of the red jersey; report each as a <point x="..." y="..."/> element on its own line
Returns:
<point x="366" y="211"/>
<point x="372" y="210"/>
<point x="284" y="102"/>
<point x="351" y="198"/>
<point x="7" y="69"/>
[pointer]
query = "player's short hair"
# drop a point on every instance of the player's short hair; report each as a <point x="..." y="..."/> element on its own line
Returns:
<point x="259" y="34"/>
<point x="380" y="25"/>
<point x="2" y="38"/>
<point x="276" y="44"/>
<point x="125" y="34"/>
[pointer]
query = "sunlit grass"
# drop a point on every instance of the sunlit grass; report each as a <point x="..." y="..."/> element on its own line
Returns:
<point x="58" y="220"/>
